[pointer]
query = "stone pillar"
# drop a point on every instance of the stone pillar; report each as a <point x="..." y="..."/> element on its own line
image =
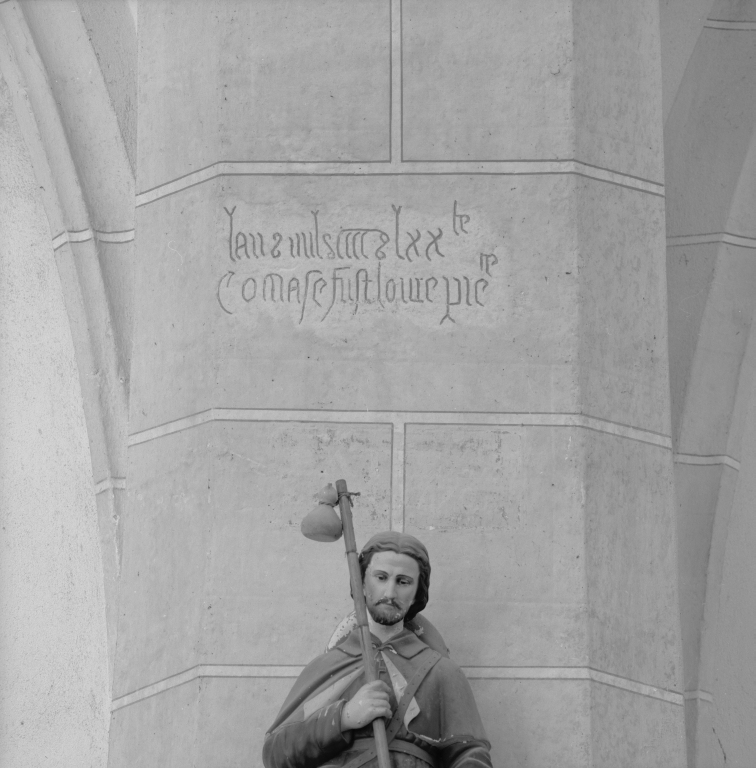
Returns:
<point x="418" y="245"/>
<point x="54" y="690"/>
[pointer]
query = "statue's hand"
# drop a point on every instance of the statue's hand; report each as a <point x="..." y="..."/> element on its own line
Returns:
<point x="371" y="701"/>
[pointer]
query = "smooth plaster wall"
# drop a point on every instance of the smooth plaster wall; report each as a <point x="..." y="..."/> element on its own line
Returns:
<point x="54" y="697"/>
<point x="732" y="664"/>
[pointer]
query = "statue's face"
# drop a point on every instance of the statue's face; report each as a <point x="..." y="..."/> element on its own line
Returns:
<point x="390" y="585"/>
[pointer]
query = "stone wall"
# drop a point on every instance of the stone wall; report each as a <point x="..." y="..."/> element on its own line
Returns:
<point x="54" y="687"/>
<point x="416" y="245"/>
<point x="419" y="246"/>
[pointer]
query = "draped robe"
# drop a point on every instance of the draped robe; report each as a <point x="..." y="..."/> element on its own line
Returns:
<point x="442" y="719"/>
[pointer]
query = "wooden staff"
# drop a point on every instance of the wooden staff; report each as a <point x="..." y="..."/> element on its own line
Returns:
<point x="360" y="610"/>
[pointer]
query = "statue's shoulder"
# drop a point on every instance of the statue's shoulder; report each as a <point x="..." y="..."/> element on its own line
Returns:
<point x="427" y="632"/>
<point x="346" y="640"/>
<point x="448" y="667"/>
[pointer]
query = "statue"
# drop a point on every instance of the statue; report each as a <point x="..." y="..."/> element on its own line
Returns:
<point x="429" y="710"/>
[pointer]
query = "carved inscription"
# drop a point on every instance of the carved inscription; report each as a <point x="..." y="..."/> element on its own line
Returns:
<point x="315" y="272"/>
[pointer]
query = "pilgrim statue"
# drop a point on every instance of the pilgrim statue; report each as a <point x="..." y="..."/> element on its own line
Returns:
<point x="429" y="710"/>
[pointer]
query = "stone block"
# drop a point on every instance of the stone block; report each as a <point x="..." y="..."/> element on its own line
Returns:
<point x="213" y="546"/>
<point x="653" y="731"/>
<point x="294" y="81"/>
<point x="476" y="496"/>
<point x="236" y="714"/>
<point x="485" y="80"/>
<point x="623" y="296"/>
<point x="269" y="308"/>
<point x="631" y="552"/>
<point x="539" y="723"/>
<point x="159" y="730"/>
<point x="617" y="98"/>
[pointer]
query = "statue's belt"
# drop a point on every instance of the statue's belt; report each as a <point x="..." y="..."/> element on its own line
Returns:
<point x="398" y="745"/>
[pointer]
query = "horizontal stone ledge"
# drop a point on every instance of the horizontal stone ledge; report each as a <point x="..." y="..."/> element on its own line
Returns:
<point x="699" y="696"/>
<point x="700" y="460"/>
<point x="731" y="26"/>
<point x="712" y="238"/>
<point x="472" y="673"/>
<point x="405" y="168"/>
<point x="72" y="236"/>
<point x="110" y="484"/>
<point x="402" y="419"/>
<point x="85" y="235"/>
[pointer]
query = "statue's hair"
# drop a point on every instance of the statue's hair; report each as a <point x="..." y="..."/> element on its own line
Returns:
<point x="402" y="544"/>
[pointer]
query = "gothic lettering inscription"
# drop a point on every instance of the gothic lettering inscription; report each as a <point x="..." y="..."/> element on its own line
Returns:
<point x="314" y="272"/>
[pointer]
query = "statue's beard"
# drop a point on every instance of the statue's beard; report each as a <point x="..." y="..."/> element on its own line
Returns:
<point x="385" y="611"/>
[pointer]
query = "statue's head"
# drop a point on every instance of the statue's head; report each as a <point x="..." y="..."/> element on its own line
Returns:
<point x="405" y="545"/>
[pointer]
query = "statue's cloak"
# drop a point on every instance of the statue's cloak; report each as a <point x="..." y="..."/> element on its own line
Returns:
<point x="442" y="718"/>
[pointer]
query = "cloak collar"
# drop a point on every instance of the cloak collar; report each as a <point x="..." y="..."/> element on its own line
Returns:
<point x="406" y="644"/>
